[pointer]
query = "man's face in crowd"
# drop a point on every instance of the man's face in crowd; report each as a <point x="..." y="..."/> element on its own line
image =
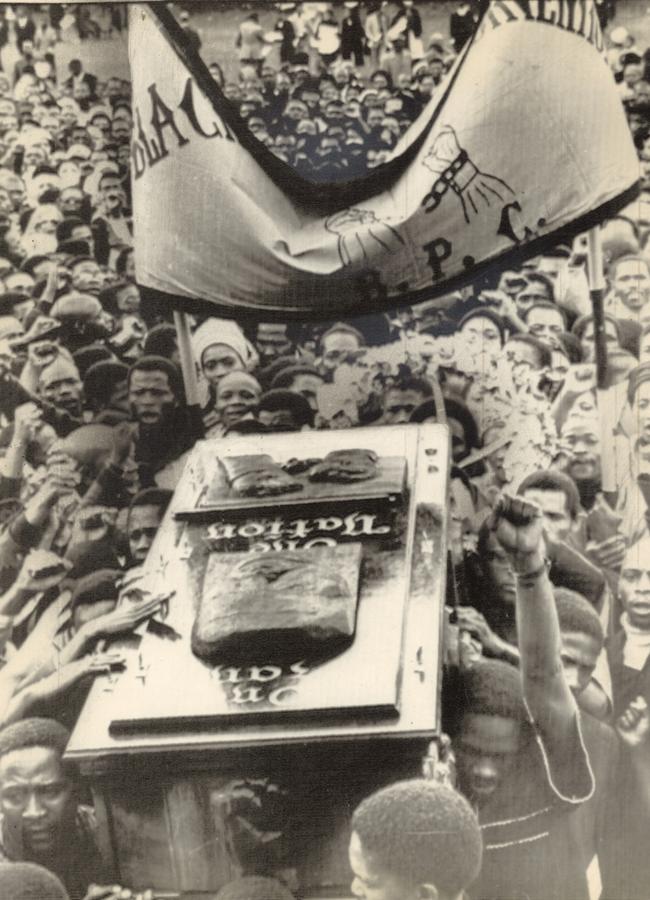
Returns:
<point x="328" y="92"/>
<point x="61" y="385"/>
<point x="328" y="147"/>
<point x="113" y="88"/>
<point x="486" y="750"/>
<point x="8" y="117"/>
<point x="144" y="522"/>
<point x="587" y="340"/>
<point x="555" y="514"/>
<point x="247" y="109"/>
<point x="121" y="130"/>
<point x="371" y="881"/>
<point x="112" y="193"/>
<point x="399" y="406"/>
<point x="218" y="360"/>
<point x="237" y="395"/>
<point x="546" y="324"/>
<point x="271" y="342"/>
<point x="579" y="654"/>
<point x="584" y="445"/>
<point x="36" y="799"/>
<point x="307" y="385"/>
<point x="482" y="336"/>
<point x="150" y="396"/>
<point x="128" y="300"/>
<point x="337" y="347"/>
<point x="306" y="126"/>
<point x="531" y="293"/>
<point x="84" y="233"/>
<point x="632" y="284"/>
<point x="632" y="74"/>
<point x="374" y="118"/>
<point x="634" y="584"/>
<point x="102" y="122"/>
<point x="47" y="225"/>
<point x="14" y="185"/>
<point x="69" y="111"/>
<point x="34" y="156"/>
<point x="81" y="92"/>
<point x="232" y="92"/>
<point x="522" y="358"/>
<point x="436" y="67"/>
<point x="296" y="110"/>
<point x="87" y="277"/>
<point x="50" y="123"/>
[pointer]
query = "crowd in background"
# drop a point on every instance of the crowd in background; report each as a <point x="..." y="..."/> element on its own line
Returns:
<point x="94" y="430"/>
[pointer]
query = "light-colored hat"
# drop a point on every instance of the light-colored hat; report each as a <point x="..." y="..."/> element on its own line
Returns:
<point x="224" y="331"/>
<point x="619" y="35"/>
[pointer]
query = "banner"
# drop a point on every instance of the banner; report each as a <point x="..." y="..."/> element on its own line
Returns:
<point x="528" y="138"/>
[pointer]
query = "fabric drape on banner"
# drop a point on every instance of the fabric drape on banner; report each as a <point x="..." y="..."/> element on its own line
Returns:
<point x="528" y="139"/>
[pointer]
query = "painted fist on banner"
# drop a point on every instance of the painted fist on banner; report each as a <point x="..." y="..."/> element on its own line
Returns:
<point x="455" y="171"/>
<point x="360" y="233"/>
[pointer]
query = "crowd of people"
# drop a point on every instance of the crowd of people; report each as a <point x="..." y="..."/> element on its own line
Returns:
<point x="547" y="642"/>
<point x="331" y="93"/>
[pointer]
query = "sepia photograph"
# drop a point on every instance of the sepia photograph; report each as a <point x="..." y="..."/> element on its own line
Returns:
<point x="325" y="450"/>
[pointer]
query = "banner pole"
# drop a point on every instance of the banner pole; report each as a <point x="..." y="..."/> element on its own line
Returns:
<point x="595" y="266"/>
<point x="188" y="368"/>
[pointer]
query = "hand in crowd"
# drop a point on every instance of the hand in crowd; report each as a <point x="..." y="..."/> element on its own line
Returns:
<point x="518" y="526"/>
<point x="473" y="622"/>
<point x="126" y="615"/>
<point x="93" y="523"/>
<point x="608" y="554"/>
<point x="39" y="507"/>
<point x="42" y="570"/>
<point x="115" y="892"/>
<point x="633" y="726"/>
<point x="92" y="664"/>
<point x="28" y="418"/>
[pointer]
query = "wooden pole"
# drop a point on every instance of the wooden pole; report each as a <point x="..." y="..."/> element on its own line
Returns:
<point x="188" y="367"/>
<point x="605" y="414"/>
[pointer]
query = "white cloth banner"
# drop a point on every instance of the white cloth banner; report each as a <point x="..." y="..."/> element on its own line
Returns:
<point x="528" y="138"/>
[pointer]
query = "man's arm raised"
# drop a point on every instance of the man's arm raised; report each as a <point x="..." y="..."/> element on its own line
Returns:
<point x="517" y="524"/>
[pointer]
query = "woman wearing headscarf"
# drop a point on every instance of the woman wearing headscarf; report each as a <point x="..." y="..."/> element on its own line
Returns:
<point x="220" y="347"/>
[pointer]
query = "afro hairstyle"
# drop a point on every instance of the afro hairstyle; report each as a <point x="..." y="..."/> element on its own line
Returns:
<point x="423" y="832"/>
<point x="493" y="688"/>
<point x="576" y="614"/>
<point x="34" y="732"/>
<point x="254" y="887"/>
<point x="28" y="881"/>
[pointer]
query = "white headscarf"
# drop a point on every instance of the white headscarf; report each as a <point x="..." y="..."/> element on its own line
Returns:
<point x="224" y="331"/>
